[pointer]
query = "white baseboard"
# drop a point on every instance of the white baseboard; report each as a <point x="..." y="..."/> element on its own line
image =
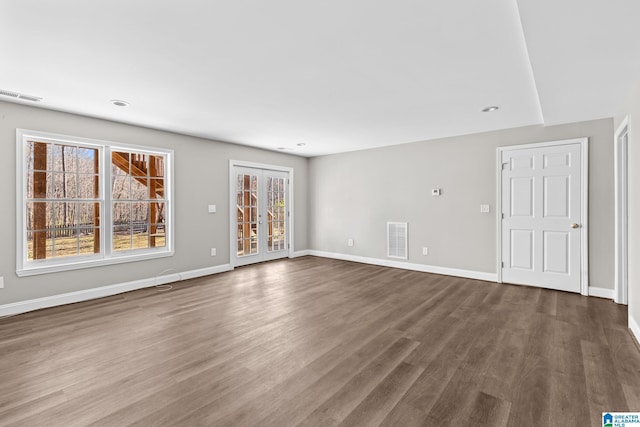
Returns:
<point x="298" y="254"/>
<point x="105" y="291"/>
<point x="601" y="292"/>
<point x="635" y="328"/>
<point x="478" y="275"/>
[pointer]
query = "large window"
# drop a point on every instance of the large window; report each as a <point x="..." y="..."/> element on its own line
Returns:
<point x="87" y="202"/>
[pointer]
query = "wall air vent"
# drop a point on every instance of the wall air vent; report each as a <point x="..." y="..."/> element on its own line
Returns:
<point x="17" y="95"/>
<point x="397" y="240"/>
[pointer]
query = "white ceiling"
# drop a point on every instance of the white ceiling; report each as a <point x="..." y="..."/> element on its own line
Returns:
<point x="336" y="75"/>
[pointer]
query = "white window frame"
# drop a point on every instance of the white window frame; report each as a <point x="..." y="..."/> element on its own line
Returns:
<point x="26" y="267"/>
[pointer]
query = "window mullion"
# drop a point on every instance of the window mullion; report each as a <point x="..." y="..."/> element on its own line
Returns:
<point x="107" y="210"/>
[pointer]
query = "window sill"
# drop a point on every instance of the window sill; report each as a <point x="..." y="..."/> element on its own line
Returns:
<point x="34" y="270"/>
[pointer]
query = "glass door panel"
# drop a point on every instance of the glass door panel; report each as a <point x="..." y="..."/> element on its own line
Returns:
<point x="247" y="220"/>
<point x="276" y="196"/>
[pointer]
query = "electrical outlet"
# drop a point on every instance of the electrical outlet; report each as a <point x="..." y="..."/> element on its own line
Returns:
<point x="213" y="251"/>
<point x="212" y="208"/>
<point x="425" y="251"/>
<point x="1" y="282"/>
<point x="349" y="242"/>
<point x="485" y="208"/>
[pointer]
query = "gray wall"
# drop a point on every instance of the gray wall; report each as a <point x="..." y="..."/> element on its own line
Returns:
<point x="201" y="178"/>
<point x="354" y="194"/>
<point x="632" y="108"/>
<point x="350" y="195"/>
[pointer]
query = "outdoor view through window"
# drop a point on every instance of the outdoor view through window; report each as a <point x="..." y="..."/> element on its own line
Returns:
<point x="63" y="204"/>
<point x="67" y="213"/>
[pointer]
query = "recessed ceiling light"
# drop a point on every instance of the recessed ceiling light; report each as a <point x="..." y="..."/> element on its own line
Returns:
<point x="119" y="103"/>
<point x="301" y="144"/>
<point x="489" y="109"/>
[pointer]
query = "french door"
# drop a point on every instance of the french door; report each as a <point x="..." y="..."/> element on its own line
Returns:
<point x="543" y="220"/>
<point x="260" y="221"/>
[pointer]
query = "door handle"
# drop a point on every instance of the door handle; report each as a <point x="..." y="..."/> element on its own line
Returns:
<point x="574" y="225"/>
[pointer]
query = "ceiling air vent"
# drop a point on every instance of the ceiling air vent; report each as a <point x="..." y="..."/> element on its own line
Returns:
<point x="30" y="98"/>
<point x="17" y="95"/>
<point x="397" y="240"/>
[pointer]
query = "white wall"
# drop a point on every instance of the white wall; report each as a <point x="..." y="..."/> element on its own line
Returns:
<point x="201" y="178"/>
<point x="354" y="194"/>
<point x="632" y="108"/>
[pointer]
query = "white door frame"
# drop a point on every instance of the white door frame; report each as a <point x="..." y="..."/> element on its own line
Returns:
<point x="584" y="229"/>
<point x="232" y="204"/>
<point x="621" y="212"/>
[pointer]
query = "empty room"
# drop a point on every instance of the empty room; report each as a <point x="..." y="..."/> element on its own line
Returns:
<point x="282" y="213"/>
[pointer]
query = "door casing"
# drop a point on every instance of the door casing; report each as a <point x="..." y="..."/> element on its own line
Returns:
<point x="584" y="189"/>
<point x="621" y="285"/>
<point x="232" y="204"/>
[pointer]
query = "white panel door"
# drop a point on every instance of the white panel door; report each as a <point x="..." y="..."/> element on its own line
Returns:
<point x="261" y="217"/>
<point x="541" y="214"/>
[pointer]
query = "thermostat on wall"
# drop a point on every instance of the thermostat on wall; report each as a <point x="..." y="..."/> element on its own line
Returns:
<point x="435" y="192"/>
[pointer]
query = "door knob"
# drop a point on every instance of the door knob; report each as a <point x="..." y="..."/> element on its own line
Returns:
<point x="574" y="225"/>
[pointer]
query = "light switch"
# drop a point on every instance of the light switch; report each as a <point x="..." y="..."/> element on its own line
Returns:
<point x="212" y="208"/>
<point x="435" y="192"/>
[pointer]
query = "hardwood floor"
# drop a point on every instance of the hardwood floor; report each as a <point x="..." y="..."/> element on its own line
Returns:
<point x="313" y="341"/>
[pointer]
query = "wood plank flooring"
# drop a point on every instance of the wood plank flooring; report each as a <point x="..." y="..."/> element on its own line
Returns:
<point x="318" y="342"/>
